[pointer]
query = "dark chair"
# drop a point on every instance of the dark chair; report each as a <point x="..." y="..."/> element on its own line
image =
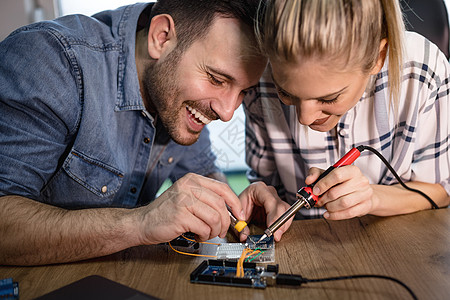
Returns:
<point x="430" y="19"/>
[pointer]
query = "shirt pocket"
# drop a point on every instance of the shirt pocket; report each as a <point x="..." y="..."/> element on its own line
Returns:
<point x="83" y="182"/>
<point x="97" y="177"/>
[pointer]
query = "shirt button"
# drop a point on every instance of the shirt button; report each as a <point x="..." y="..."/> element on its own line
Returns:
<point x="170" y="160"/>
<point x="133" y="190"/>
<point x="342" y="132"/>
<point x="146" y="140"/>
<point x="104" y="189"/>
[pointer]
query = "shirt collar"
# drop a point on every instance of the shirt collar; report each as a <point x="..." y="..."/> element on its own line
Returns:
<point x="128" y="92"/>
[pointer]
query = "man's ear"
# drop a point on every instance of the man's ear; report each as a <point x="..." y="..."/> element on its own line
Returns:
<point x="161" y="36"/>
<point x="381" y="57"/>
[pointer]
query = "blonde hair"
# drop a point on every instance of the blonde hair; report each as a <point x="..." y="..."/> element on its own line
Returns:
<point x="344" y="32"/>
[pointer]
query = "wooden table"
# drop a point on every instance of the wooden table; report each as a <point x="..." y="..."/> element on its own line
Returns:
<point x="413" y="248"/>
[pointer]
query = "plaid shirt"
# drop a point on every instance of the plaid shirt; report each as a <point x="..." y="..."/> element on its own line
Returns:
<point x="280" y="150"/>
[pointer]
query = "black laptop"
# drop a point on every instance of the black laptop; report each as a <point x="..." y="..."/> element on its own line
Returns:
<point x="96" y="287"/>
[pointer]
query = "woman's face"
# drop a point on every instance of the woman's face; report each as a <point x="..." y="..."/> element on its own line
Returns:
<point x="320" y="94"/>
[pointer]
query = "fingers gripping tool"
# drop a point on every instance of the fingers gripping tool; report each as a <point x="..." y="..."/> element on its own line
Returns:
<point x="305" y="196"/>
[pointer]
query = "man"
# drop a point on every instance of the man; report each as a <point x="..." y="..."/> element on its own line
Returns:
<point x="98" y="112"/>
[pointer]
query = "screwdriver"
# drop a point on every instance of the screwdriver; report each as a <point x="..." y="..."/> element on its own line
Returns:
<point x="305" y="196"/>
<point x="238" y="225"/>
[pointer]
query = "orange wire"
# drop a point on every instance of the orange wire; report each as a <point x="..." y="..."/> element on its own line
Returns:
<point x="191" y="254"/>
<point x="246" y="253"/>
<point x="240" y="263"/>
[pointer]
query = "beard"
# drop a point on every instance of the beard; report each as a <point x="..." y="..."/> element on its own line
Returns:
<point x="161" y="93"/>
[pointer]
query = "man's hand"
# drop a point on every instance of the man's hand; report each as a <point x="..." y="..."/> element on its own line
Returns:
<point x="258" y="199"/>
<point x="35" y="233"/>
<point x="192" y="204"/>
<point x="345" y="192"/>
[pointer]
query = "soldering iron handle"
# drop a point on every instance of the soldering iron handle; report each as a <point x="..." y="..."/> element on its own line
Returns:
<point x="346" y="160"/>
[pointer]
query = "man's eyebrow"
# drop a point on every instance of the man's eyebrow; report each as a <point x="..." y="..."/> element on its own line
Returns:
<point x="221" y="73"/>
<point x="321" y="97"/>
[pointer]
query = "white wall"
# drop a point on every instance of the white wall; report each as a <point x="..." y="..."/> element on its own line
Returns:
<point x="228" y="142"/>
<point x="12" y="15"/>
<point x="89" y="7"/>
<point x="16" y="13"/>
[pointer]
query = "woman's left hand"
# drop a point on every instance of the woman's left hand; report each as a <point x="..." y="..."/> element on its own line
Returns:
<point x="262" y="204"/>
<point x="345" y="192"/>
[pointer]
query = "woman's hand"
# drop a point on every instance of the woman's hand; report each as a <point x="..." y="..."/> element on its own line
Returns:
<point x="345" y="192"/>
<point x="262" y="204"/>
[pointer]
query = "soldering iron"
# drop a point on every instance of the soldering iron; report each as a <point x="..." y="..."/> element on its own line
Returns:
<point x="305" y="196"/>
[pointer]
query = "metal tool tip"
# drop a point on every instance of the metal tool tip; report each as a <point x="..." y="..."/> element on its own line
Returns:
<point x="264" y="236"/>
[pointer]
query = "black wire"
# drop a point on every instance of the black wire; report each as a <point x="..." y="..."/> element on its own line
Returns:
<point x="362" y="147"/>
<point x="306" y="280"/>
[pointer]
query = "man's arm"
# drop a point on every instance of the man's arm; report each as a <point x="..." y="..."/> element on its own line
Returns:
<point x="34" y="233"/>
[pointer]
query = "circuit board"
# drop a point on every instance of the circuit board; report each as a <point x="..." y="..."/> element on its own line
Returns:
<point x="223" y="272"/>
<point x="9" y="290"/>
<point x="232" y="251"/>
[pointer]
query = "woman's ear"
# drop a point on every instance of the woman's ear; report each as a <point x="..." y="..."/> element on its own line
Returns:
<point x="161" y="36"/>
<point x="381" y="57"/>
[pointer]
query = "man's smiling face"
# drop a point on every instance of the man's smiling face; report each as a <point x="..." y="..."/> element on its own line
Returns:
<point x="206" y="82"/>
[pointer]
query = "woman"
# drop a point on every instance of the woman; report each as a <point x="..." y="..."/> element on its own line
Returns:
<point x="345" y="73"/>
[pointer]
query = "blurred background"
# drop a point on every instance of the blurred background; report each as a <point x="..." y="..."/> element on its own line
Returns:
<point x="428" y="17"/>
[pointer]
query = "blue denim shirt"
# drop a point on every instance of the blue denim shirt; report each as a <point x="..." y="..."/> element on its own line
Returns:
<point x="73" y="128"/>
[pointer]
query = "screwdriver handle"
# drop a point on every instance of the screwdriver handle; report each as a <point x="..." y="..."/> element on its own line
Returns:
<point x="235" y="223"/>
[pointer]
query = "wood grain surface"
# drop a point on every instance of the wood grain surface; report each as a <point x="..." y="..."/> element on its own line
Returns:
<point x="413" y="248"/>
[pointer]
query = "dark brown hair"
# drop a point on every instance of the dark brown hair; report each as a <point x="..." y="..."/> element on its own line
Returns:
<point x="193" y="18"/>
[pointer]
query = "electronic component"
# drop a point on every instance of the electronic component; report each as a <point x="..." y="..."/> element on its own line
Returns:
<point x="223" y="272"/>
<point x="9" y="290"/>
<point x="186" y="243"/>
<point x="232" y="251"/>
